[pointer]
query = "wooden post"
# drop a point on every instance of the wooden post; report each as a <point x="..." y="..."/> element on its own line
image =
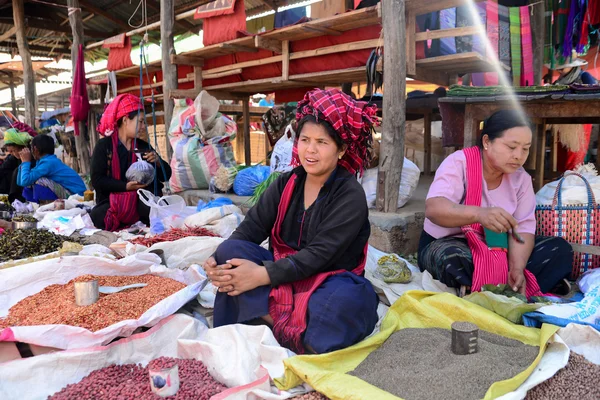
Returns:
<point x="167" y="21"/>
<point x="394" y="105"/>
<point x="538" y="29"/>
<point x="541" y="156"/>
<point x="247" y="149"/>
<point x="13" y="98"/>
<point x="28" y="72"/>
<point x="81" y="142"/>
<point x="427" y="144"/>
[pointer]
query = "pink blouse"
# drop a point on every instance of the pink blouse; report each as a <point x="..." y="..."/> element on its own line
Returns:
<point x="515" y="195"/>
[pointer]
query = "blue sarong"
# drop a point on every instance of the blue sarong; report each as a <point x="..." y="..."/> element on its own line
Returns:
<point x="341" y="312"/>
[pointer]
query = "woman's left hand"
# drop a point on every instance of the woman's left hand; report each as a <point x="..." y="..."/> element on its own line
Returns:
<point x="516" y="280"/>
<point x="151" y="157"/>
<point x="244" y="277"/>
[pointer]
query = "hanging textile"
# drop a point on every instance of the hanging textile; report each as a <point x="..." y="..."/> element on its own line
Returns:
<point x="223" y="25"/>
<point x="448" y="21"/>
<point x="215" y="9"/>
<point x="581" y="28"/>
<point x="567" y="47"/>
<point x="561" y="19"/>
<point x="289" y="17"/>
<point x="504" y="35"/>
<point x="549" y="37"/>
<point x="428" y="22"/>
<point x="79" y="97"/>
<point x="262" y="24"/>
<point x="493" y="34"/>
<point x="464" y="44"/>
<point x="479" y="43"/>
<point x="515" y="44"/>
<point x="594" y="12"/>
<point x="119" y="53"/>
<point x="526" y="48"/>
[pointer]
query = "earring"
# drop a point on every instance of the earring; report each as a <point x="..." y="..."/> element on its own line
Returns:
<point x="340" y="156"/>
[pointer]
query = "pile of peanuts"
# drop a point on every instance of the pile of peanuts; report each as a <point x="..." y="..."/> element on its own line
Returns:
<point x="578" y="380"/>
<point x="56" y="303"/>
<point x="131" y="381"/>
<point x="311" y="396"/>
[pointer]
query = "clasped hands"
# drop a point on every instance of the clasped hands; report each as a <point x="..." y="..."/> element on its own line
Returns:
<point x="236" y="276"/>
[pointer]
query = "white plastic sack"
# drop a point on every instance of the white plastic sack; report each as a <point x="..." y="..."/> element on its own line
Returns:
<point x="187" y="251"/>
<point x="408" y="183"/>
<point x="393" y="291"/>
<point x="66" y="222"/>
<point x="582" y="339"/>
<point x="241" y="357"/>
<point x="573" y="190"/>
<point x="165" y="212"/>
<point x="281" y="158"/>
<point x="23" y="281"/>
<point x="586" y="310"/>
<point x="589" y="280"/>
<point x="220" y="220"/>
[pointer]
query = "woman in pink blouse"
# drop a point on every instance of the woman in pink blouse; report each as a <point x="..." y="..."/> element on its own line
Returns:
<point x="480" y="217"/>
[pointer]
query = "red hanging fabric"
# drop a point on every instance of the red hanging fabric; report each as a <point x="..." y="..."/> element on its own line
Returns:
<point x="119" y="55"/>
<point x="80" y="104"/>
<point x="225" y="26"/>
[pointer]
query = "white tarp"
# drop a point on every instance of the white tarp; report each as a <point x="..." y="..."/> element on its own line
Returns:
<point x="236" y="355"/>
<point x="26" y="280"/>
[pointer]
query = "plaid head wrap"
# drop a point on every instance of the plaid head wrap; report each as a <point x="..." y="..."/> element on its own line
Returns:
<point x="352" y="120"/>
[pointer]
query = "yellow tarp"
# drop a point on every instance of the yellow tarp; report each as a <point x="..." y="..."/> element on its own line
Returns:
<point x="326" y="373"/>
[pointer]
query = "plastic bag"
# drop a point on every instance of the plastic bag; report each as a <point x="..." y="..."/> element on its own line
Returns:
<point x="573" y="190"/>
<point x="408" y="183"/>
<point x="281" y="158"/>
<point x="391" y="269"/>
<point x="248" y="179"/>
<point x="141" y="172"/>
<point x="165" y="212"/>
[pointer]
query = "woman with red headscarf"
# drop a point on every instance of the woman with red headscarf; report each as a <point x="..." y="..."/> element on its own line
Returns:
<point x="309" y="285"/>
<point x="117" y="203"/>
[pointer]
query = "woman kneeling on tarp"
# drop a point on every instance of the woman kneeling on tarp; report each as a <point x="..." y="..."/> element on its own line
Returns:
<point x="480" y="217"/>
<point x="117" y="203"/>
<point x="309" y="286"/>
<point x="50" y="178"/>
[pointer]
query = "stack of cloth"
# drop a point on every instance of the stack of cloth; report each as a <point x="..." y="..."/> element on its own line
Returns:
<point x="477" y="91"/>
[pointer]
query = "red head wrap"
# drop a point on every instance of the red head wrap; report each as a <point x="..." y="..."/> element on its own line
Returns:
<point x="121" y="106"/>
<point x="352" y="120"/>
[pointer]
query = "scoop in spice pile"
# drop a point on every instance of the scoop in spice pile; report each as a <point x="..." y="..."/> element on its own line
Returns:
<point x="56" y="303"/>
<point x="131" y="381"/>
<point x="391" y="269"/>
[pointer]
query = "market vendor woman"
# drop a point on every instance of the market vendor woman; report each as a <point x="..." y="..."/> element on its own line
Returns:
<point x="117" y="202"/>
<point x="486" y="187"/>
<point x="309" y="285"/>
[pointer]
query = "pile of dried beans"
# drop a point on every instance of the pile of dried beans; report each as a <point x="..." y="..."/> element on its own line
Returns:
<point x="172" y="235"/>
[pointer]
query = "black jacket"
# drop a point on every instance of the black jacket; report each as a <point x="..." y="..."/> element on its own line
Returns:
<point x="10" y="164"/>
<point x="101" y="171"/>
<point x="330" y="235"/>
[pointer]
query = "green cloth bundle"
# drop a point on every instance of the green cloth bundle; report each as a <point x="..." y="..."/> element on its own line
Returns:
<point x="13" y="136"/>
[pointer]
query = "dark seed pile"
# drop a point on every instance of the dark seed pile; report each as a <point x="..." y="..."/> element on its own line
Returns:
<point x="311" y="396"/>
<point x="24" y="218"/>
<point x="131" y="381"/>
<point x="417" y="364"/>
<point x="578" y="380"/>
<point x="23" y="243"/>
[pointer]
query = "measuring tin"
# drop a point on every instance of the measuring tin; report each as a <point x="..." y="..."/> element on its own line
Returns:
<point x="164" y="382"/>
<point x="86" y="293"/>
<point x="465" y="336"/>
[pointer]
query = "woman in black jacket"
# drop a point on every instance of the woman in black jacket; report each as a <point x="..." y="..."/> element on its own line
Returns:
<point x="309" y="285"/>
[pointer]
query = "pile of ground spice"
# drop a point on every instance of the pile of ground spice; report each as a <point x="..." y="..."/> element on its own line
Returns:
<point x="577" y="380"/>
<point x="417" y="364"/>
<point x="311" y="396"/>
<point x="56" y="303"/>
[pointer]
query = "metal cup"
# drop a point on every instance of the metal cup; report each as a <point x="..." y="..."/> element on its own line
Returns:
<point x="465" y="337"/>
<point x="86" y="293"/>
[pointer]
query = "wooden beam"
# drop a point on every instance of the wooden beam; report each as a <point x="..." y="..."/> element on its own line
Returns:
<point x="13" y="98"/>
<point x="586" y="249"/>
<point x="238" y="47"/>
<point x="394" y="105"/>
<point x="167" y="21"/>
<point x="285" y="65"/>
<point x="183" y="93"/>
<point x="81" y="141"/>
<point x="197" y="78"/>
<point x="270" y="3"/>
<point x="8" y="33"/>
<point x="321" y="29"/>
<point x="59" y="50"/>
<point x="540" y="156"/>
<point x="221" y="74"/>
<point x="28" y="72"/>
<point x="451" y="32"/>
<point x="246" y="116"/>
<point x="105" y="14"/>
<point x="427" y="144"/>
<point x="411" y="50"/>
<point x="186" y="60"/>
<point x="268" y="44"/>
